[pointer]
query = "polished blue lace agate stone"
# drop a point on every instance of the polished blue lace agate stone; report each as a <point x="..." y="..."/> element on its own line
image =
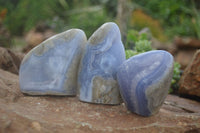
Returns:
<point x="144" y="81"/>
<point x="51" y="68"/>
<point x="103" y="55"/>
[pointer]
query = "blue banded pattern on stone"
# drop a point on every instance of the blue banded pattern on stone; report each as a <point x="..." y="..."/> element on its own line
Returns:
<point x="51" y="68"/>
<point x="103" y="55"/>
<point x="144" y="81"/>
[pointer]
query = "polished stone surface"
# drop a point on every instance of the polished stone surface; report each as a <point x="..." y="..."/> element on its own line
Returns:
<point x="103" y="55"/>
<point x="144" y="81"/>
<point x="51" y="68"/>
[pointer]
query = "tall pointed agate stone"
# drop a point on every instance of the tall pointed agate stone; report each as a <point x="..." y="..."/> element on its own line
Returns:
<point x="103" y="55"/>
<point x="51" y="68"/>
<point x="144" y="81"/>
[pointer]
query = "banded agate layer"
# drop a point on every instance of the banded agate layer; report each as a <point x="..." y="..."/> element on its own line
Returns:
<point x="103" y="55"/>
<point x="51" y="68"/>
<point x="144" y="81"/>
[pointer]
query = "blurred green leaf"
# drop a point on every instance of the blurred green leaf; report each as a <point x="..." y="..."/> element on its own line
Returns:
<point x="143" y="46"/>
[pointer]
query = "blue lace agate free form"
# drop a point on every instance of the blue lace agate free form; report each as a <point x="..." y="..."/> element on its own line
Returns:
<point x="103" y="55"/>
<point x="51" y="68"/>
<point x="145" y="80"/>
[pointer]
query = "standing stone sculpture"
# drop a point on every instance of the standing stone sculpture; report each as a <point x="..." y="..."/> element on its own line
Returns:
<point x="103" y="54"/>
<point x="51" y="68"/>
<point x="145" y="80"/>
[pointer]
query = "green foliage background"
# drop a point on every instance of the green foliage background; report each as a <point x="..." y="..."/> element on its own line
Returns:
<point x="58" y="14"/>
<point x="177" y="17"/>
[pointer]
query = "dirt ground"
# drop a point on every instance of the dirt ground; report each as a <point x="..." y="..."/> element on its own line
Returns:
<point x="30" y="114"/>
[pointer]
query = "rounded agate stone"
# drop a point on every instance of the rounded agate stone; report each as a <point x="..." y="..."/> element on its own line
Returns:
<point x="51" y="68"/>
<point x="144" y="81"/>
<point x="103" y="55"/>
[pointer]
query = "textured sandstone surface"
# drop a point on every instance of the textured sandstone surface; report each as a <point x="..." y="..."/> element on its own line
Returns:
<point x="47" y="114"/>
<point x="9" y="60"/>
<point x="190" y="80"/>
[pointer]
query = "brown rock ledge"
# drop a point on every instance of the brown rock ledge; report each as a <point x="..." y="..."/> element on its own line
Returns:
<point x="190" y="80"/>
<point x="9" y="60"/>
<point x="21" y="113"/>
